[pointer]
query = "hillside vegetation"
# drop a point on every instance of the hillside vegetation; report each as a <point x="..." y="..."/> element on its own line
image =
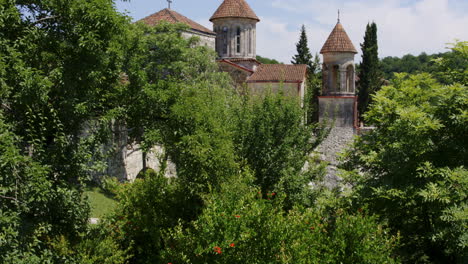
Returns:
<point x="70" y="69"/>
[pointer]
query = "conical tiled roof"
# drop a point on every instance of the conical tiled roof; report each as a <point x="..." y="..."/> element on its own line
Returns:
<point x="338" y="41"/>
<point x="234" y="8"/>
<point x="173" y="17"/>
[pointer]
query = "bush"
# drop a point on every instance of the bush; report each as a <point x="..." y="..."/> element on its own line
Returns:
<point x="240" y="226"/>
<point x="273" y="140"/>
<point x="412" y="167"/>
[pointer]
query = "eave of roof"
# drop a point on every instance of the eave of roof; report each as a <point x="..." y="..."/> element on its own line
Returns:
<point x="235" y="65"/>
<point x="279" y="73"/>
<point x="173" y="17"/>
<point x="234" y="9"/>
<point x="338" y="41"/>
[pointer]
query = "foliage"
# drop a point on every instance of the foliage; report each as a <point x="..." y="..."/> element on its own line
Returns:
<point x="239" y="225"/>
<point x="409" y="64"/>
<point x="313" y="91"/>
<point x="413" y="166"/>
<point x="303" y="55"/>
<point x="176" y="97"/>
<point x="447" y="68"/>
<point x="265" y="60"/>
<point x="453" y="67"/>
<point x="370" y="76"/>
<point x="59" y="70"/>
<point x="313" y="85"/>
<point x="275" y="143"/>
<point x="147" y="208"/>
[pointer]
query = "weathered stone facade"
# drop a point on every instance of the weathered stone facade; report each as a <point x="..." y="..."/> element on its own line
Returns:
<point x="339" y="110"/>
<point x="127" y="158"/>
<point x="237" y="74"/>
<point x="338" y="74"/>
<point x="337" y="141"/>
<point x="207" y="40"/>
<point x="235" y="37"/>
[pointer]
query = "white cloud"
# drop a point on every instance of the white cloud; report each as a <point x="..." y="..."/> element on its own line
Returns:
<point x="404" y="26"/>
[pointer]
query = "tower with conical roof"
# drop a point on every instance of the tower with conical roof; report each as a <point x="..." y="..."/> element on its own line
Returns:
<point x="338" y="100"/>
<point x="235" y="25"/>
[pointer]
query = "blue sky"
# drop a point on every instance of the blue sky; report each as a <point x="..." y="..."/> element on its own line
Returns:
<point x="404" y="26"/>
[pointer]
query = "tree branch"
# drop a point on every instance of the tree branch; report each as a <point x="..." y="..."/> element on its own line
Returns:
<point x="9" y="198"/>
<point x="44" y="19"/>
<point x="5" y="107"/>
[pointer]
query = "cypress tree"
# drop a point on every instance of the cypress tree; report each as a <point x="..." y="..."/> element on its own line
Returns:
<point x="313" y="85"/>
<point x="303" y="55"/>
<point x="370" y="76"/>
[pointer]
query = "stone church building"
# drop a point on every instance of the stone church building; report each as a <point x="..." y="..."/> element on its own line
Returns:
<point x="234" y="39"/>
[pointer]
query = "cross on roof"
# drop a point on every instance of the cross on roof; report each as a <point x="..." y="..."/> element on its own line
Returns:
<point x="169" y="2"/>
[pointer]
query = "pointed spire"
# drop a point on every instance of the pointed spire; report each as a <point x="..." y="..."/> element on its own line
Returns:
<point x="338" y="41"/>
<point x="338" y="16"/>
<point x="234" y="9"/>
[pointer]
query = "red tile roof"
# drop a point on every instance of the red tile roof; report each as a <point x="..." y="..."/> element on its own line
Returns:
<point x="338" y="41"/>
<point x="234" y="8"/>
<point x="244" y="59"/>
<point x="236" y="65"/>
<point x="173" y="17"/>
<point x="279" y="73"/>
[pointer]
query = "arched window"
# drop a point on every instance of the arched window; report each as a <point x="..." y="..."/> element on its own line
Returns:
<point x="350" y="79"/>
<point x="238" y="39"/>
<point x="249" y="39"/>
<point x="336" y="80"/>
<point x="225" y="40"/>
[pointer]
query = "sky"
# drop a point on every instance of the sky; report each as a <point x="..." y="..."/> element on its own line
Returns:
<point x="404" y="26"/>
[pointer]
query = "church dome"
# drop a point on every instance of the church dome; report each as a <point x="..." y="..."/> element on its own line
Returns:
<point x="338" y="41"/>
<point x="234" y="9"/>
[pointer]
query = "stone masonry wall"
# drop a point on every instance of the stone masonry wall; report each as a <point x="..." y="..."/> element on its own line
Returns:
<point x="337" y="141"/>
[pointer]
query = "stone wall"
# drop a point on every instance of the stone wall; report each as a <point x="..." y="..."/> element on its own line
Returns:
<point x="206" y="40"/>
<point x="288" y="89"/>
<point x="238" y="75"/>
<point x="339" y="110"/>
<point x="127" y="158"/>
<point x="337" y="141"/>
<point x="226" y="31"/>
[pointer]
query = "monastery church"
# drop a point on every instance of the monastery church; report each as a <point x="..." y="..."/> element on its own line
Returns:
<point x="234" y="39"/>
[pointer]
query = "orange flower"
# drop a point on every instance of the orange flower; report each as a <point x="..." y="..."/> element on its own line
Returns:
<point x="232" y="245"/>
<point x="217" y="250"/>
<point x="237" y="216"/>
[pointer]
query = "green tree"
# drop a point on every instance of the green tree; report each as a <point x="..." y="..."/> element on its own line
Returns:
<point x="275" y="143"/>
<point x="303" y="55"/>
<point x="313" y="85"/>
<point x="59" y="70"/>
<point x="267" y="60"/>
<point x="453" y="66"/>
<point x="240" y="225"/>
<point x="412" y="167"/>
<point x="370" y="77"/>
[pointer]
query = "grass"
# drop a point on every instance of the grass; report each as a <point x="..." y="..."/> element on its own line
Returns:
<point x="100" y="202"/>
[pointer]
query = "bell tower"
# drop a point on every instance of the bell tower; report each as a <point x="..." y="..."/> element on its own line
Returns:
<point x="338" y="101"/>
<point x="235" y="25"/>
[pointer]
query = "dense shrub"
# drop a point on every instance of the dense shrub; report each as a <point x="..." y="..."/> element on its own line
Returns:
<point x="412" y="167"/>
<point x="238" y="225"/>
<point x="273" y="140"/>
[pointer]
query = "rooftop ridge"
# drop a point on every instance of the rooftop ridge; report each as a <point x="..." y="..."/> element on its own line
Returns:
<point x="338" y="41"/>
<point x="236" y="9"/>
<point x="173" y="17"/>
